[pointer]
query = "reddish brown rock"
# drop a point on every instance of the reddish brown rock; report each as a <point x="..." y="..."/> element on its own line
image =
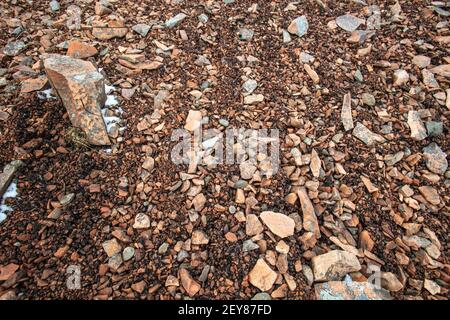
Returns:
<point x="80" y="50"/>
<point x="82" y="90"/>
<point x="189" y="284"/>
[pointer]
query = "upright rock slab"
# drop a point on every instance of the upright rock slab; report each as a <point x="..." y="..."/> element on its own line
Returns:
<point x="82" y="90"/>
<point x="8" y="173"/>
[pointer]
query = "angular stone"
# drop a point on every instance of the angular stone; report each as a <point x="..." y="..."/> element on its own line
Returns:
<point x="189" y="284"/>
<point x="390" y="282"/>
<point x="30" y="85"/>
<point x="14" y="48"/>
<point x="432" y="287"/>
<point x="311" y="73"/>
<point x="315" y="164"/>
<point x="334" y="265"/>
<point x="172" y="22"/>
<point x="80" y="50"/>
<point x="254" y="98"/>
<point x="442" y="70"/>
<point x="346" y="112"/>
<point x="141" y="221"/>
<point x="193" y="120"/>
<point x="299" y="26"/>
<point x="278" y="223"/>
<point x="262" y="276"/>
<point x="199" y="238"/>
<point x="365" y="135"/>
<point x="253" y="226"/>
<point x="435" y="158"/>
<point x="7" y="271"/>
<point x="82" y="90"/>
<point x="430" y="194"/>
<point x="246" y="34"/>
<point x="368" y="99"/>
<point x="310" y="222"/>
<point x="8" y="174"/>
<point x="348" y="22"/>
<point x="247" y="170"/>
<point x="142" y="29"/>
<point x="421" y="61"/>
<point x="111" y="247"/>
<point x="109" y="33"/>
<point x="401" y="77"/>
<point x="349" y="290"/>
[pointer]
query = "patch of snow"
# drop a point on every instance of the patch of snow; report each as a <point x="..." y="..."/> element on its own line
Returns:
<point x="109" y="89"/>
<point x="46" y="94"/>
<point x="111" y="101"/>
<point x="11" y="192"/>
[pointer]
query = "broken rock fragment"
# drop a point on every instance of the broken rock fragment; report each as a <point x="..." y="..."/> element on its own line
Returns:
<point x="349" y="290"/>
<point x="299" y="26"/>
<point x="346" y="112"/>
<point x="365" y="135"/>
<point x="278" y="223"/>
<point x="188" y="283"/>
<point x="80" y="50"/>
<point x="334" y="265"/>
<point x="435" y="158"/>
<point x="310" y="222"/>
<point x="262" y="276"/>
<point x="82" y="90"/>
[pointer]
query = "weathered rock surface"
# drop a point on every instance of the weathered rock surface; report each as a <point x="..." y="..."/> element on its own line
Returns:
<point x="334" y="265"/>
<point x="82" y="90"/>
<point x="262" y="276"/>
<point x="278" y="223"/>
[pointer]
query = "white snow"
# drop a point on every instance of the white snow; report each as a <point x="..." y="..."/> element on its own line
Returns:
<point x="11" y="192"/>
<point x="46" y="94"/>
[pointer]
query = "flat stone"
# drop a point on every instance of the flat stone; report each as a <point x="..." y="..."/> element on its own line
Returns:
<point x="249" y="86"/>
<point x="115" y="261"/>
<point x="199" y="238"/>
<point x="254" y="98"/>
<point x="82" y="90"/>
<point x="193" y="120"/>
<point x="141" y="221"/>
<point x="262" y="296"/>
<point x="390" y="282"/>
<point x="349" y="290"/>
<point x="435" y="158"/>
<point x="80" y="50"/>
<point x="434" y="128"/>
<point x="280" y="224"/>
<point x="365" y="135"/>
<point x="14" y="48"/>
<point x="334" y="265"/>
<point x="348" y="22"/>
<point x="430" y="194"/>
<point x="247" y="170"/>
<point x="174" y="21"/>
<point x="246" y="34"/>
<point x="346" y="112"/>
<point x="253" y="226"/>
<point x="299" y="26"/>
<point x="111" y="247"/>
<point x="141" y="29"/>
<point x="431" y="286"/>
<point x="109" y="33"/>
<point x="249" y="245"/>
<point x="128" y="253"/>
<point x="189" y="284"/>
<point x="421" y="61"/>
<point x="401" y="77"/>
<point x="262" y="276"/>
<point x="368" y="99"/>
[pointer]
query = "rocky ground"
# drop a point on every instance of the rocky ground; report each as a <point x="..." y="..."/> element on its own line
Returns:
<point x="359" y="90"/>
